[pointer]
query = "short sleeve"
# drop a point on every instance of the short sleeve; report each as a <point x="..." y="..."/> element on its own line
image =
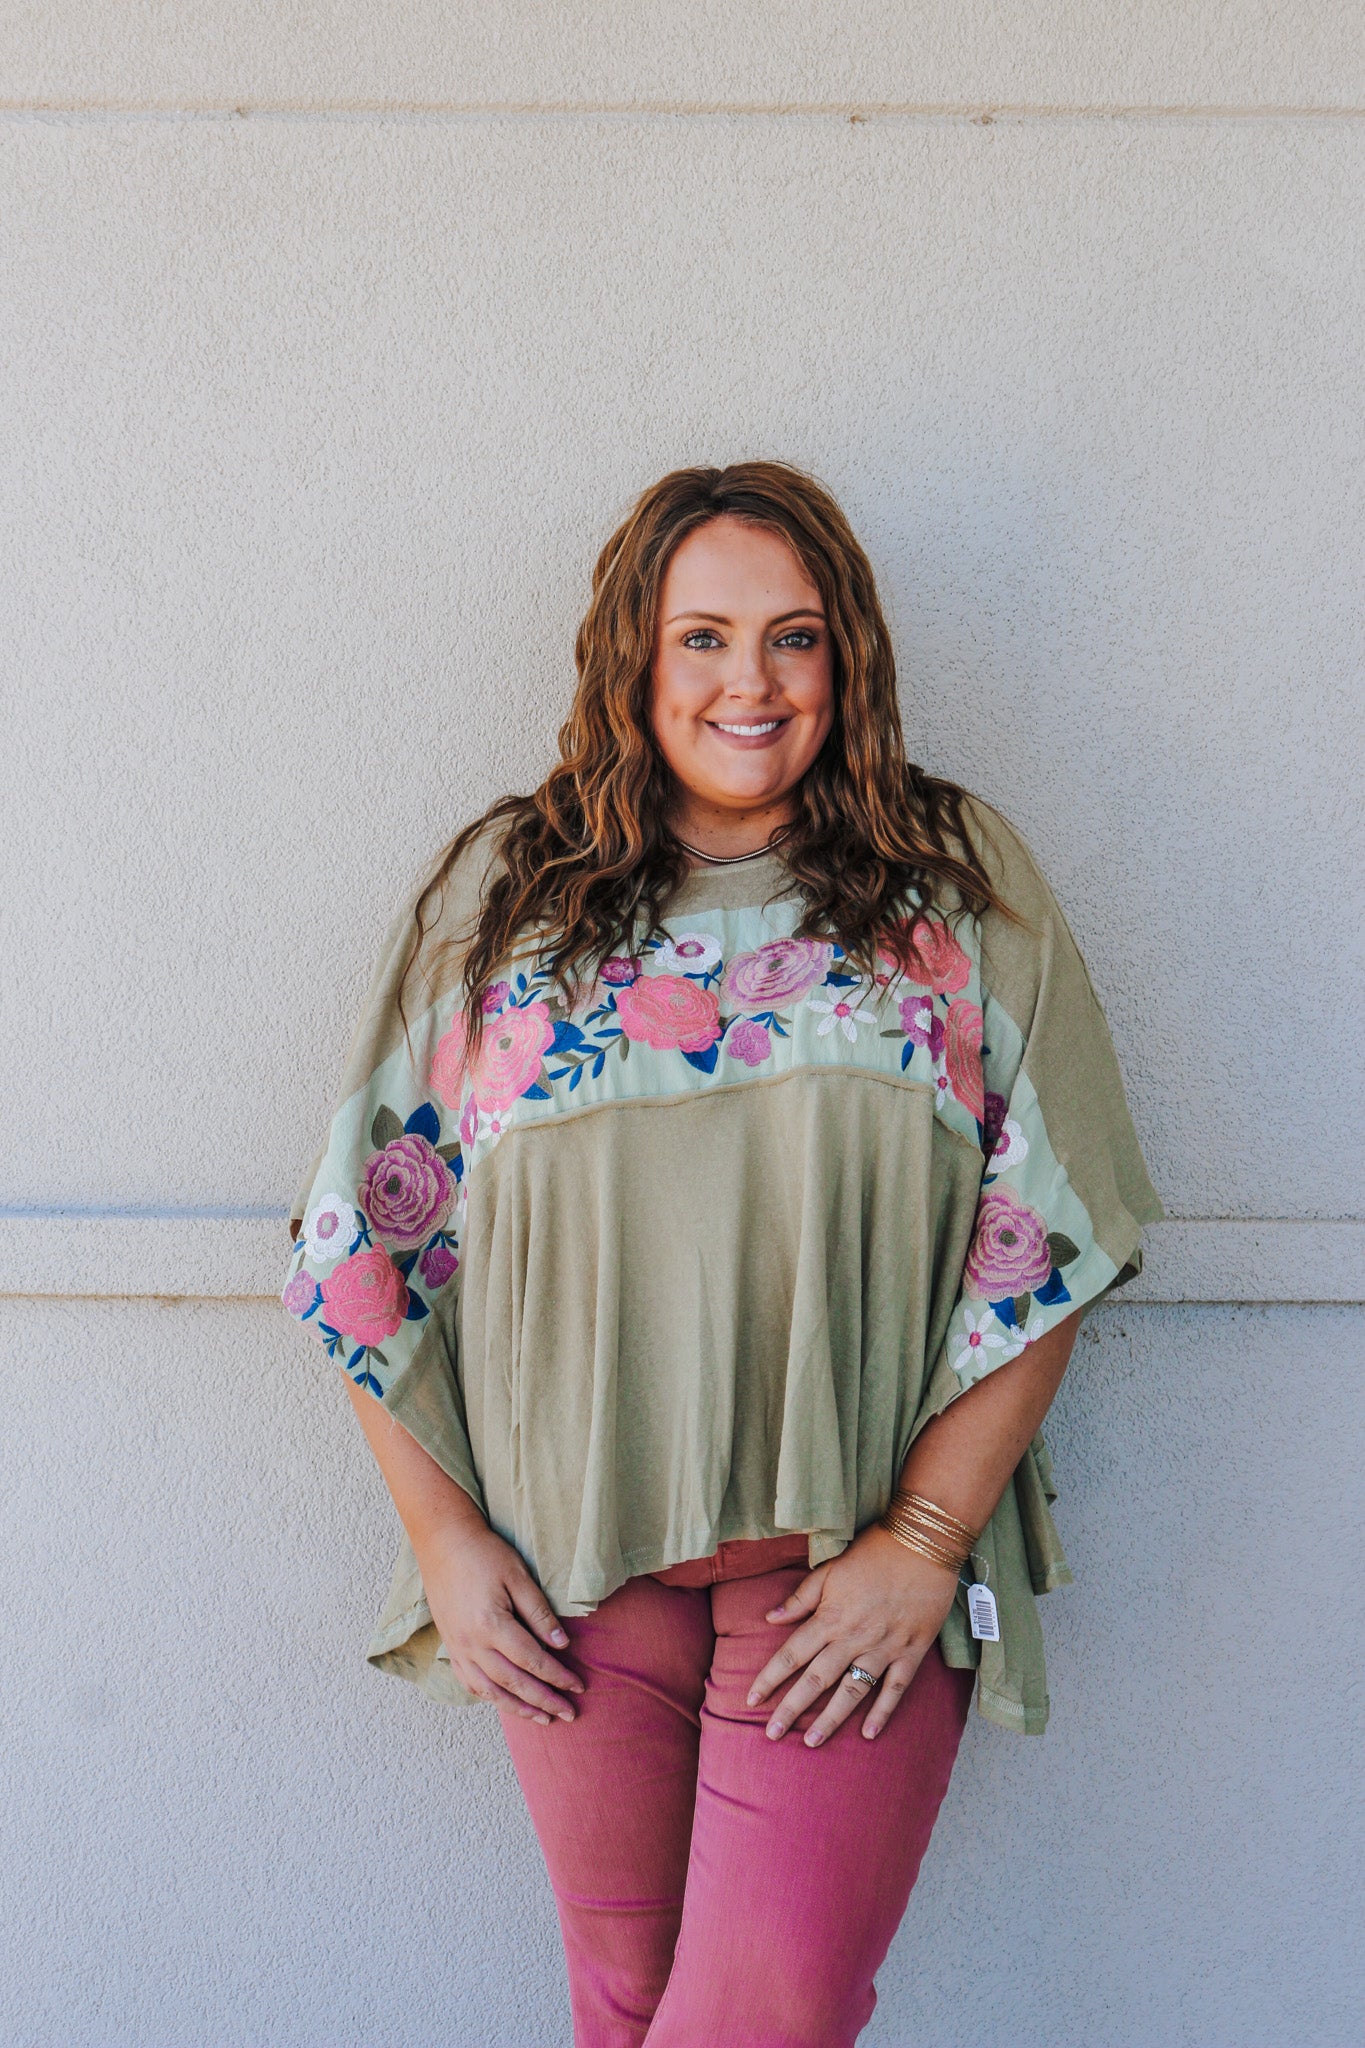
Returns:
<point x="374" y="1278"/>
<point x="1065" y="1193"/>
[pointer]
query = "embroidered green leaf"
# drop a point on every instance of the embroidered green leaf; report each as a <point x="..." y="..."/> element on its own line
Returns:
<point x="623" y="1046"/>
<point x="1062" y="1249"/>
<point x="1022" y="1304"/>
<point x="448" y="1152"/>
<point x="378" y="1356"/>
<point x="387" y="1126"/>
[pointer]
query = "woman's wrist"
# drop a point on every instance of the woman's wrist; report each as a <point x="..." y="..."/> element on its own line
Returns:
<point x="919" y="1524"/>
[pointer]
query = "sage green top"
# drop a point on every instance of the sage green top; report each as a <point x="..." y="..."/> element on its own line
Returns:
<point x="697" y="1259"/>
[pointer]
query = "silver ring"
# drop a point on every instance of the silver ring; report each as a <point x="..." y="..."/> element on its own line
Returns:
<point x="862" y="1674"/>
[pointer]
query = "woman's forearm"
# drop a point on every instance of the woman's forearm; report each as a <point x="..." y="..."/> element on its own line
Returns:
<point x="963" y="1459"/>
<point x="430" y="1503"/>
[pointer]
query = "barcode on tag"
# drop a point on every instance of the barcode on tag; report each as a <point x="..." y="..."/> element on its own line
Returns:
<point x="985" y="1619"/>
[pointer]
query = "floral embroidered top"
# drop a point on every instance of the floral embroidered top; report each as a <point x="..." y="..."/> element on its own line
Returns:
<point x="695" y="1260"/>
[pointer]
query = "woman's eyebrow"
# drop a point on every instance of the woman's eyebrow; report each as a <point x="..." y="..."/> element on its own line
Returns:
<point x="718" y="618"/>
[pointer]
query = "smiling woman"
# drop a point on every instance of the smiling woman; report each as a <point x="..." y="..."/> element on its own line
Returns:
<point x="743" y="678"/>
<point x="730" y="1146"/>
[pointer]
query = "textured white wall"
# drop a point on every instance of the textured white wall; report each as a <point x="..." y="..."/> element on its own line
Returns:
<point x="316" y="415"/>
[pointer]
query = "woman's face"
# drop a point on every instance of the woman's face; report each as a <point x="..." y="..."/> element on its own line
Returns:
<point x="743" y="678"/>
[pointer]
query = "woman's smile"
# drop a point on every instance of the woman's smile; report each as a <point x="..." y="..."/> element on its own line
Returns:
<point x="748" y="732"/>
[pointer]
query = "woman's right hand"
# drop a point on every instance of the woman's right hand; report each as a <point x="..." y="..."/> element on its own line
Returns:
<point x="493" y="1618"/>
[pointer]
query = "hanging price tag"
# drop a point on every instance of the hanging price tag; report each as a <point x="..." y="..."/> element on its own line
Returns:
<point x="984" y="1617"/>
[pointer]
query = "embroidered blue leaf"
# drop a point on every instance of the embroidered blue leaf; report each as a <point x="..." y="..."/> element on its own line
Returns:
<point x="371" y="1385"/>
<point x="705" y="1062"/>
<point x="1004" y="1310"/>
<point x="597" y="1064"/>
<point x="424" y="1123"/>
<point x="577" y="1076"/>
<point x="536" y="1092"/>
<point x="314" y="1305"/>
<point x="1052" y="1290"/>
<point x="521" y="984"/>
<point x="842" y="980"/>
<point x="568" y="1037"/>
<point x="406" y="1265"/>
<point x="417" y="1310"/>
<point x="907" y="1053"/>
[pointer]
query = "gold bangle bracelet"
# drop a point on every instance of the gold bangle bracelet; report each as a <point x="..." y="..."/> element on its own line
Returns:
<point x="930" y="1511"/>
<point x="929" y="1530"/>
<point x="906" y="1525"/>
<point x="910" y="1539"/>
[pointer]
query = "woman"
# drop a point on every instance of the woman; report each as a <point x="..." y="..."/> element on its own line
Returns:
<point x="730" y="1147"/>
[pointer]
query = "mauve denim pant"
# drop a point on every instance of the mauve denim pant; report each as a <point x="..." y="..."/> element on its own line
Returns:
<point x="716" y="1889"/>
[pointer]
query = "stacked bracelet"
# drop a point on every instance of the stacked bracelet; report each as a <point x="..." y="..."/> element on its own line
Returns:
<point x="929" y="1530"/>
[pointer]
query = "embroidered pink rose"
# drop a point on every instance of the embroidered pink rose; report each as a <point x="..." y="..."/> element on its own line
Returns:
<point x="619" y="970"/>
<point x="407" y="1190"/>
<point x="300" y="1294"/>
<point x="781" y="972"/>
<point x="921" y="1023"/>
<point x="669" y="1012"/>
<point x="366" y="1297"/>
<point x="1009" y="1254"/>
<point x="748" y="1040"/>
<point x="926" y="951"/>
<point x="509" y="1057"/>
<point x="436" y="1265"/>
<point x="962" y="1056"/>
<point x="447" y="1077"/>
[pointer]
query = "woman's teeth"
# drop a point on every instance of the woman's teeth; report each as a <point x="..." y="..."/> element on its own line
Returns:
<point x="771" y="726"/>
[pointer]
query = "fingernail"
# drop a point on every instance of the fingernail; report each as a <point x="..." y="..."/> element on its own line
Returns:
<point x="567" y="1714"/>
<point x="752" y="1700"/>
<point x="813" y="1740"/>
<point x="774" y="1729"/>
<point x="557" y="1635"/>
<point x="544" y="1720"/>
<point x="871" y="1733"/>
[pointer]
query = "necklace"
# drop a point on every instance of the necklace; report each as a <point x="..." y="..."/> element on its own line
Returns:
<point x="727" y="859"/>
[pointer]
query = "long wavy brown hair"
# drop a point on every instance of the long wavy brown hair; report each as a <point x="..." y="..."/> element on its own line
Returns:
<point x="590" y="851"/>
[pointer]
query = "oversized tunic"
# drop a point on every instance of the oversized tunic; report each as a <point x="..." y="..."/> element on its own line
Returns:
<point x="696" y="1257"/>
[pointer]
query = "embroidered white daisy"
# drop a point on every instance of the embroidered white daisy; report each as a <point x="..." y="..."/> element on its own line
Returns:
<point x="847" y="1016"/>
<point x="687" y="953"/>
<point x="1010" y="1147"/>
<point x="979" y="1339"/>
<point x="491" y="1124"/>
<point x="329" y="1229"/>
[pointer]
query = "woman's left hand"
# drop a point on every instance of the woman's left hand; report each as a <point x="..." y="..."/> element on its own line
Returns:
<point x="877" y="1604"/>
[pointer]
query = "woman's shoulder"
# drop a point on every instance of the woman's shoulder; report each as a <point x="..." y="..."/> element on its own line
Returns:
<point x="1009" y="861"/>
<point x="450" y="889"/>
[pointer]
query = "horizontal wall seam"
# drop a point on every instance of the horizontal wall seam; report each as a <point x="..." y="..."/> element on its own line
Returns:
<point x="984" y="112"/>
<point x="199" y="1255"/>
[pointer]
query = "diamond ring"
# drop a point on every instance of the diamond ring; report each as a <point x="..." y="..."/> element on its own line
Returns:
<point x="862" y="1674"/>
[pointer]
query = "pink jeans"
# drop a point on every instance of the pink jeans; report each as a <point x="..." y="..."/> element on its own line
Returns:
<point x="716" y="1889"/>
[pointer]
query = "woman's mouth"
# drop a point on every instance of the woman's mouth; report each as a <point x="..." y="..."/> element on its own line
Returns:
<point x="751" y="732"/>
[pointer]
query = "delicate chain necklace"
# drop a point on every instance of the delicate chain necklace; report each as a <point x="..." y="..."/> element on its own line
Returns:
<point x="725" y="860"/>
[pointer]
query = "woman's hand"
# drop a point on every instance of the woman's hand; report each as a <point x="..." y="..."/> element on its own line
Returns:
<point x="489" y="1613"/>
<point x="877" y="1604"/>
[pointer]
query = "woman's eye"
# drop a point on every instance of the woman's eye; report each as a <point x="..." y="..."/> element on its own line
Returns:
<point x="800" y="636"/>
<point x="699" y="635"/>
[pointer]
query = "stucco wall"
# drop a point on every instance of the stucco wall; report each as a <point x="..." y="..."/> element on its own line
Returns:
<point x="332" y="343"/>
